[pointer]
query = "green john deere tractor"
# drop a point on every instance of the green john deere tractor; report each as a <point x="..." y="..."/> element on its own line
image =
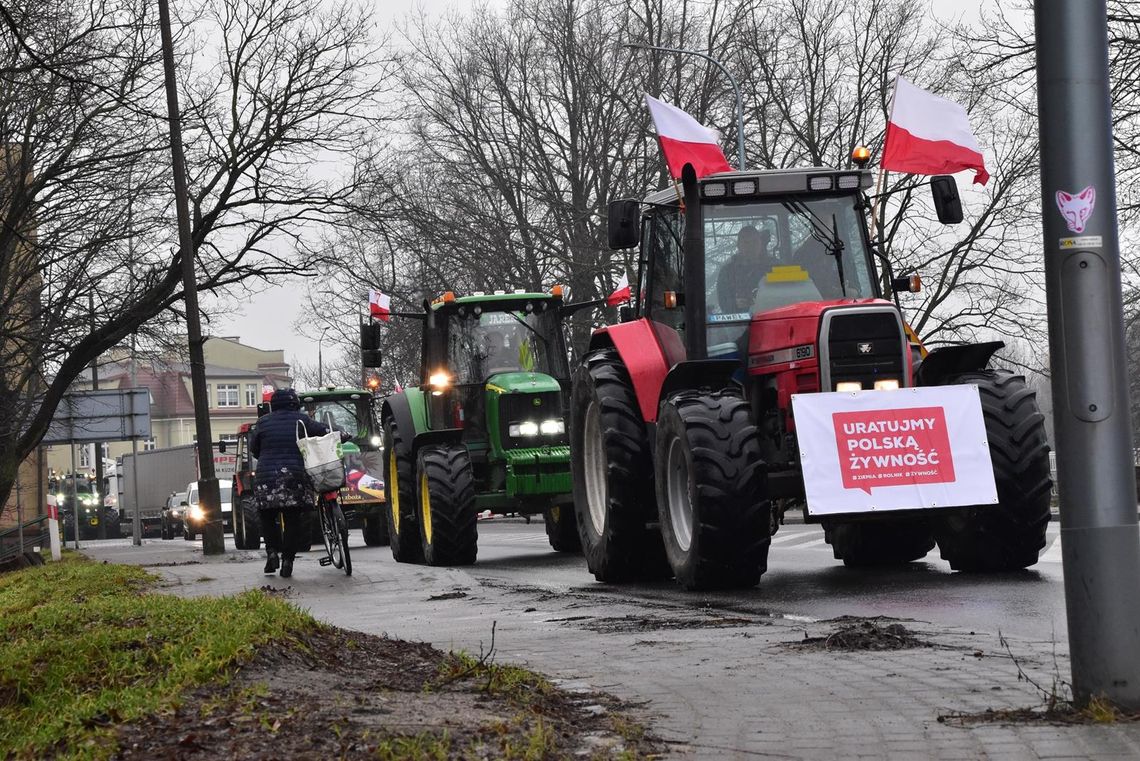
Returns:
<point x="485" y="429"/>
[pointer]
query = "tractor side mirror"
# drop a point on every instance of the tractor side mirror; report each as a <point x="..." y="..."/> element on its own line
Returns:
<point x="947" y="202"/>
<point x="184" y="503"/>
<point x="370" y="344"/>
<point x="263" y="409"/>
<point x="624" y="224"/>
<point x="222" y="446"/>
<point x="625" y="313"/>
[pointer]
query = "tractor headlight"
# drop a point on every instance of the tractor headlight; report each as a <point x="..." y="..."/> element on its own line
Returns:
<point x="552" y="427"/>
<point x="887" y="384"/>
<point x="375" y="441"/>
<point x="847" y="387"/>
<point x="526" y="428"/>
<point x="439" y="382"/>
<point x="60" y="497"/>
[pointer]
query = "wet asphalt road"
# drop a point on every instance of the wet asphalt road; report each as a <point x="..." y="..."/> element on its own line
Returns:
<point x="803" y="580"/>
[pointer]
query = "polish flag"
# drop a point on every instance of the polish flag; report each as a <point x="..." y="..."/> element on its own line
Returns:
<point x="379" y="305"/>
<point x="684" y="140"/>
<point x="398" y="389"/>
<point x="927" y="134"/>
<point x="267" y="392"/>
<point x="621" y="294"/>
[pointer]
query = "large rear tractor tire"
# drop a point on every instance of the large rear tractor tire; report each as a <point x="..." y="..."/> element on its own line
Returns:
<point x="715" y="515"/>
<point x="562" y="528"/>
<point x="1009" y="535"/>
<point x="247" y="525"/>
<point x="400" y="492"/>
<point x="878" y="543"/>
<point x="375" y="529"/>
<point x="447" y="505"/>
<point x="613" y="474"/>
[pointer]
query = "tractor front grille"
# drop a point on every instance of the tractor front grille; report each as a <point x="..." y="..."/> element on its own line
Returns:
<point x="862" y="344"/>
<point x="536" y="407"/>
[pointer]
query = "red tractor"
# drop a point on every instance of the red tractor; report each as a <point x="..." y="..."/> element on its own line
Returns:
<point x="756" y="287"/>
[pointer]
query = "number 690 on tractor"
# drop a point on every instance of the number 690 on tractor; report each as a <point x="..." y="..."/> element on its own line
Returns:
<point x="759" y="298"/>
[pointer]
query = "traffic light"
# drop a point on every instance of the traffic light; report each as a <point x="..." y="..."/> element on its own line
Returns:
<point x="370" y="344"/>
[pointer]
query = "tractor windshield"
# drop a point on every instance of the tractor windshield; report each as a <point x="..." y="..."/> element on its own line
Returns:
<point x="480" y="346"/>
<point x="777" y="252"/>
<point x="345" y="415"/>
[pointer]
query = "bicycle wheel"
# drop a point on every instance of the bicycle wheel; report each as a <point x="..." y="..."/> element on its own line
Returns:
<point x="341" y="526"/>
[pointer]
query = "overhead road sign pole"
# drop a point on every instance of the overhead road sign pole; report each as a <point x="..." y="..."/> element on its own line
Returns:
<point x="1100" y="540"/>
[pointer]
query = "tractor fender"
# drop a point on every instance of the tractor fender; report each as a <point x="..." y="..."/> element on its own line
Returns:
<point x="713" y="374"/>
<point x="648" y="350"/>
<point x="431" y="438"/>
<point x="947" y="361"/>
<point x="409" y="412"/>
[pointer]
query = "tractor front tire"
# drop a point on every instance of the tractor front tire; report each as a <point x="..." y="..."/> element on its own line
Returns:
<point x="715" y="515"/>
<point x="400" y="493"/>
<point x="613" y="474"/>
<point x="375" y="529"/>
<point x="1009" y="535"/>
<point x="878" y="543"/>
<point x="562" y="528"/>
<point x="447" y="505"/>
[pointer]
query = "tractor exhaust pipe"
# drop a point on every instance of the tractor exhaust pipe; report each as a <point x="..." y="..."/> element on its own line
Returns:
<point x="693" y="243"/>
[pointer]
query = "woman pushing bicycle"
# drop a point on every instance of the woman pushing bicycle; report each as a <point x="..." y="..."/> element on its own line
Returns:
<point x="284" y="491"/>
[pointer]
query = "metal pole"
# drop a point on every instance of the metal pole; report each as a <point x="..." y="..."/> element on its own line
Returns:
<point x="74" y="497"/>
<point x="732" y="81"/>
<point x="209" y="497"/>
<point x="97" y="446"/>
<point x="136" y="518"/>
<point x="1100" y="540"/>
<point x="320" y="361"/>
<point x="19" y="512"/>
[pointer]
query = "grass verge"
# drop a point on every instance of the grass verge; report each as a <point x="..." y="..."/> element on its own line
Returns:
<point x="88" y="645"/>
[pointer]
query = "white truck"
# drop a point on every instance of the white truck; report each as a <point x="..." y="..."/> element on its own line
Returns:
<point x="161" y="472"/>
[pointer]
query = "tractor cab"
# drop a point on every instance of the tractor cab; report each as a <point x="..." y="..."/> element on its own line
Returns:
<point x="496" y="366"/>
<point x="770" y="239"/>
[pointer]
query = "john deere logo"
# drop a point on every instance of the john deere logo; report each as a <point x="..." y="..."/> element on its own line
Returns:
<point x="866" y="347"/>
<point x="537" y="402"/>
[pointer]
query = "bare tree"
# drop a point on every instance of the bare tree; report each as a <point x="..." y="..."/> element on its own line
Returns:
<point x="270" y="89"/>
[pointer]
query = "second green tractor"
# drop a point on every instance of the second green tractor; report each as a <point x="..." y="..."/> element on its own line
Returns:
<point x="484" y="431"/>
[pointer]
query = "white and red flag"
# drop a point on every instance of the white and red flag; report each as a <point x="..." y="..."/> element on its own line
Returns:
<point x="684" y="140"/>
<point x="621" y="293"/>
<point x="927" y="134"/>
<point x="398" y="388"/>
<point x="379" y="305"/>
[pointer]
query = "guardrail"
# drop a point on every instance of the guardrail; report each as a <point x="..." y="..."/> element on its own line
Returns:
<point x="13" y="541"/>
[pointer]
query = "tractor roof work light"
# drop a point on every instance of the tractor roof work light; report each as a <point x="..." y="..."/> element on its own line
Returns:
<point x="860" y="156"/>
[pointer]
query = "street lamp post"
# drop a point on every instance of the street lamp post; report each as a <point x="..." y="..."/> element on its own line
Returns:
<point x="731" y="79"/>
<point x="320" y="360"/>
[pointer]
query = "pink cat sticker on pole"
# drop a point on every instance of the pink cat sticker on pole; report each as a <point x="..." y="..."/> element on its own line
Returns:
<point x="1076" y="208"/>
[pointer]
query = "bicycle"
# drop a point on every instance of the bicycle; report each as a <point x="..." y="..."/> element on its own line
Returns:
<point x="334" y="532"/>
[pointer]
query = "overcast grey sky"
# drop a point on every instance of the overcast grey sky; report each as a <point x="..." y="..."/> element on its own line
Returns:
<point x="267" y="319"/>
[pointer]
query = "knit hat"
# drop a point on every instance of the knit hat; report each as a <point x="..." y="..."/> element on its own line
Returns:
<point x="284" y="399"/>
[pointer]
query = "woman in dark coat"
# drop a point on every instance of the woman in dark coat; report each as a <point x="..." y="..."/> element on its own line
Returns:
<point x="281" y="484"/>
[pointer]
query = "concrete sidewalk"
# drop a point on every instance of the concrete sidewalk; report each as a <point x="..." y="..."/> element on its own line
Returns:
<point x="715" y="683"/>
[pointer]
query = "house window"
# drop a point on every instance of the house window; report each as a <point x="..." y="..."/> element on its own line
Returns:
<point x="85" y="455"/>
<point x="251" y="399"/>
<point x="228" y="395"/>
<point x="149" y="444"/>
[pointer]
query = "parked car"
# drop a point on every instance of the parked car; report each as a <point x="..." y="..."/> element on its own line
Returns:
<point x="193" y="517"/>
<point x="172" y="512"/>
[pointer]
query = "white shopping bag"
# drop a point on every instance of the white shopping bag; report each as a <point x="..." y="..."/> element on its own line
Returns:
<point x="321" y="455"/>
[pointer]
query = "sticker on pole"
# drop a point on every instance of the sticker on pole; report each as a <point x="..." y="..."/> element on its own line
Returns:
<point x="915" y="448"/>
